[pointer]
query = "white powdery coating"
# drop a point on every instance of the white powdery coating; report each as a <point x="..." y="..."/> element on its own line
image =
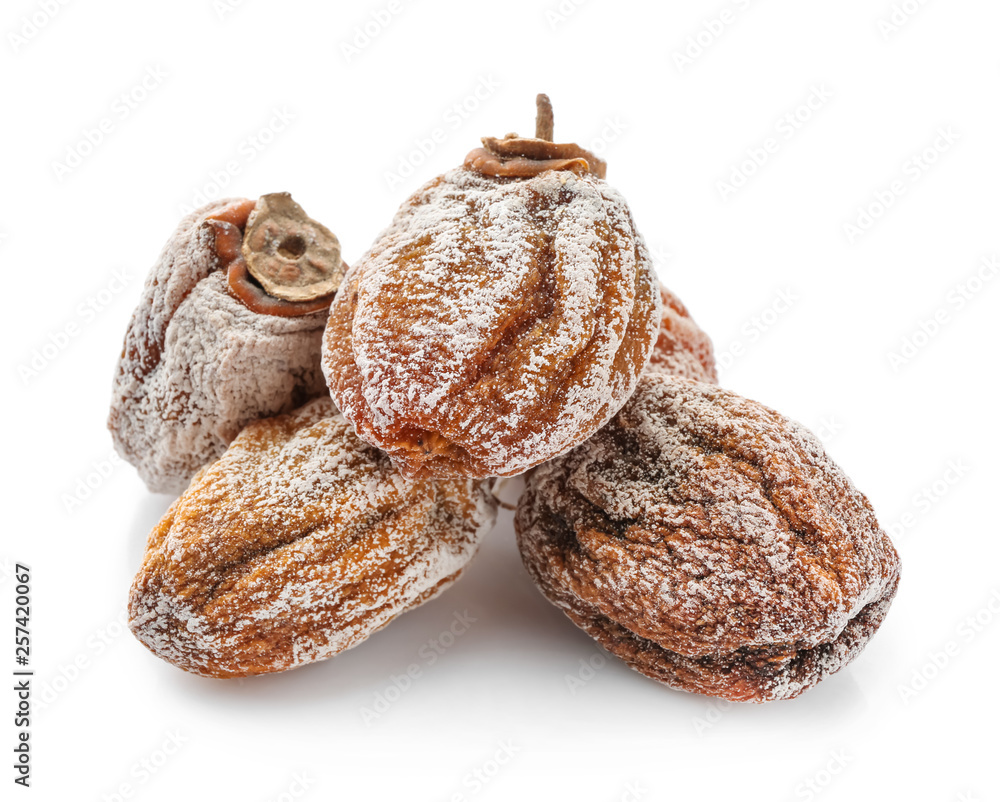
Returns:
<point x="197" y="365"/>
<point x="429" y="371"/>
<point x="299" y="543"/>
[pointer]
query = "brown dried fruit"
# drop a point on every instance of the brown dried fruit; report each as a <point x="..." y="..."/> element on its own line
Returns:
<point x="298" y="543"/>
<point x="206" y="354"/>
<point x="710" y="543"/>
<point x="682" y="348"/>
<point x="495" y="324"/>
<point x="292" y="256"/>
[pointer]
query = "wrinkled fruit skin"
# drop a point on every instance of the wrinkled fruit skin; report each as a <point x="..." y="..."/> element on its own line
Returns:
<point x="682" y="348"/>
<point x="298" y="543"/>
<point x="494" y="325"/>
<point x="711" y="544"/>
<point x="197" y="365"/>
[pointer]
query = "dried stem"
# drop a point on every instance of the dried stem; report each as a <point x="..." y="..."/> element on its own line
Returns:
<point x="544" y="122"/>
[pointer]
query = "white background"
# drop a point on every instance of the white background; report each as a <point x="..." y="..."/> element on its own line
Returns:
<point x="919" y="437"/>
